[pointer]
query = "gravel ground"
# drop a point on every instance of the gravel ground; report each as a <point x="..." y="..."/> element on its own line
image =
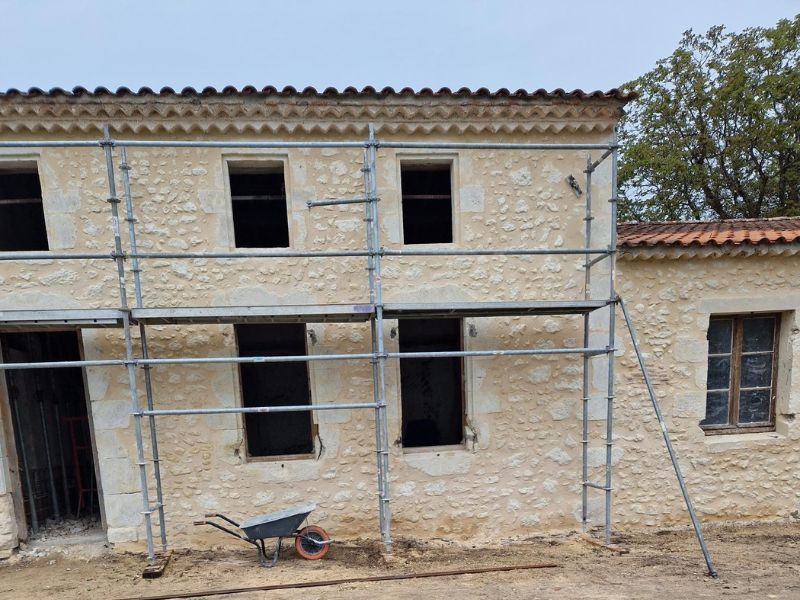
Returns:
<point x="758" y="561"/>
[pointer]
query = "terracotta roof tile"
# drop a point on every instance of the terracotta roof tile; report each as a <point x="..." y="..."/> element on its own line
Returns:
<point x="736" y="232"/>
<point x="368" y="91"/>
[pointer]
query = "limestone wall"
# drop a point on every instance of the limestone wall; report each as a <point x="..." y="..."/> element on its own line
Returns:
<point x="501" y="199"/>
<point x="731" y="477"/>
<point x="519" y="471"/>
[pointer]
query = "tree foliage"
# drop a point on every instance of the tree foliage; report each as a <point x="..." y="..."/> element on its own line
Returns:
<point x="715" y="132"/>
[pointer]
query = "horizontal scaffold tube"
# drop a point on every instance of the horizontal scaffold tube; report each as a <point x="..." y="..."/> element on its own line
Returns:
<point x="51" y="256"/>
<point x="250" y="359"/>
<point x="254" y="409"/>
<point x="61" y="364"/>
<point x="492" y="251"/>
<point x="490" y="146"/>
<point x="231" y="144"/>
<point x="520" y="352"/>
<point x="298" y="358"/>
<point x="52" y="144"/>
<point x="296" y="144"/>
<point x="336" y="201"/>
<point x="264" y="254"/>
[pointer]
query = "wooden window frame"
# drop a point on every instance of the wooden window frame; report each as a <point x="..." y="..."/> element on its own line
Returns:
<point x="734" y="389"/>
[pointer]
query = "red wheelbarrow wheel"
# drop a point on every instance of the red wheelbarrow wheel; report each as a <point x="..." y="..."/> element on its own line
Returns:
<point x="307" y="542"/>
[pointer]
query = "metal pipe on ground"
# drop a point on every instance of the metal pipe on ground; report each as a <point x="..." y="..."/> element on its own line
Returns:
<point x="350" y="580"/>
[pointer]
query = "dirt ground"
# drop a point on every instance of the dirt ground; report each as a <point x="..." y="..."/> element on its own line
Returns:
<point x="759" y="561"/>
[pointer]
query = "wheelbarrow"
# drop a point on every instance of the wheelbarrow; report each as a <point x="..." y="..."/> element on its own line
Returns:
<point x="310" y="542"/>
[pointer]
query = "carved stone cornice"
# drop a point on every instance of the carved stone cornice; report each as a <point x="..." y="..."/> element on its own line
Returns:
<point x="303" y="113"/>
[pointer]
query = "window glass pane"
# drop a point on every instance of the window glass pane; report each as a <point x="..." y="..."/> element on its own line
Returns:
<point x="719" y="372"/>
<point x="757" y="334"/>
<point x="754" y="406"/>
<point x="716" y="409"/>
<point x="756" y="370"/>
<point x="719" y="336"/>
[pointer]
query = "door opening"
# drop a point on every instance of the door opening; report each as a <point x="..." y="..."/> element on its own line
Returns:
<point x="51" y="432"/>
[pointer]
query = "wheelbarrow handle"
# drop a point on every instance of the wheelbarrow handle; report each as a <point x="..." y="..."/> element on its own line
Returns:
<point x="225" y="529"/>
<point x="221" y="516"/>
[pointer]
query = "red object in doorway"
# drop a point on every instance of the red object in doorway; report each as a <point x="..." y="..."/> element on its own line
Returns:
<point x="78" y="428"/>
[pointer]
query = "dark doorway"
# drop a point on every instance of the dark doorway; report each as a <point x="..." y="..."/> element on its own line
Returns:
<point x="431" y="389"/>
<point x="275" y="384"/>
<point x="51" y="432"/>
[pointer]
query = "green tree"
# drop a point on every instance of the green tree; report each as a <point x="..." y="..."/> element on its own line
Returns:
<point x="715" y="132"/>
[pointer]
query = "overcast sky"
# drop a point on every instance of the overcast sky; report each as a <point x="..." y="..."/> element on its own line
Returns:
<point x="418" y="43"/>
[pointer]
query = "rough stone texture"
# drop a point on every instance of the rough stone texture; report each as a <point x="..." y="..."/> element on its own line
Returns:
<point x="519" y="470"/>
<point x="8" y="523"/>
<point x="747" y="476"/>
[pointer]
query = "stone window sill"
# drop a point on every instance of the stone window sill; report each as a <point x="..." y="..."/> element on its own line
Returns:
<point x="437" y="450"/>
<point x="736" y="441"/>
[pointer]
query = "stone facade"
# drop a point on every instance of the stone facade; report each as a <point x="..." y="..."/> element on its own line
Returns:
<point x="519" y="471"/>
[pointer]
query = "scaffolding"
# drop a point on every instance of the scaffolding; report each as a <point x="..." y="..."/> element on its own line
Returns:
<point x="374" y="311"/>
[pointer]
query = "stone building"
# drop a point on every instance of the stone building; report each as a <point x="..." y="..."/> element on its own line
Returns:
<point x="498" y="454"/>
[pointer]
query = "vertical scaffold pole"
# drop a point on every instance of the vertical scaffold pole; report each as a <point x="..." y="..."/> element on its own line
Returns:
<point x="108" y="144"/>
<point x="148" y="384"/>
<point x="371" y="252"/>
<point x="382" y="421"/>
<point x="587" y="294"/>
<point x="662" y="425"/>
<point x="612" y="308"/>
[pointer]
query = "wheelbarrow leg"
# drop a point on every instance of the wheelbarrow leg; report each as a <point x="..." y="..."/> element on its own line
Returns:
<point x="262" y="557"/>
<point x="275" y="555"/>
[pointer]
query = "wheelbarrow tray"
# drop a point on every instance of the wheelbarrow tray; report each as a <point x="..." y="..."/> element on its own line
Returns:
<point x="281" y="523"/>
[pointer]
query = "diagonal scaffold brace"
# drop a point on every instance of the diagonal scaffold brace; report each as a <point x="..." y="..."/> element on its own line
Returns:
<point x="681" y="482"/>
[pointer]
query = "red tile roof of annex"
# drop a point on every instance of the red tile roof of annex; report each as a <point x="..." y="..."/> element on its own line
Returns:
<point x="736" y="232"/>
